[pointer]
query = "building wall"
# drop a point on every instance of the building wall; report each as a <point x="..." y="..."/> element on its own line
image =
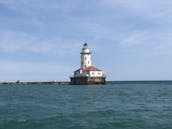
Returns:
<point x="96" y="73"/>
<point x="80" y="73"/>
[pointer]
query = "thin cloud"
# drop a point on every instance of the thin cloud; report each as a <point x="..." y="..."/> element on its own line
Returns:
<point x="149" y="42"/>
<point x="152" y="10"/>
<point x="17" y="42"/>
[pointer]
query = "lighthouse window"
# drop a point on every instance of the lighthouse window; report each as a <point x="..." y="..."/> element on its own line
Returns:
<point x="85" y="58"/>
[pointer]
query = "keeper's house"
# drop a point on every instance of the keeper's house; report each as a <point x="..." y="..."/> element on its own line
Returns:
<point x="87" y="74"/>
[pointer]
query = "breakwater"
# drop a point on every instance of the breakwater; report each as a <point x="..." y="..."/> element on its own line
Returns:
<point x="32" y="83"/>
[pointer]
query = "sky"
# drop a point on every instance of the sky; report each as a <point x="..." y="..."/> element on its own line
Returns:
<point x="41" y="40"/>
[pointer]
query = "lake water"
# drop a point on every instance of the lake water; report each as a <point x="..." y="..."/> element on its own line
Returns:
<point x="118" y="105"/>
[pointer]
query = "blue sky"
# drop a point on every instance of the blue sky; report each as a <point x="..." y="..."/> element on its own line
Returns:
<point x="40" y="40"/>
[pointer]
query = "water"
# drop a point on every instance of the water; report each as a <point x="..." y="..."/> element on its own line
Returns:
<point x="120" y="105"/>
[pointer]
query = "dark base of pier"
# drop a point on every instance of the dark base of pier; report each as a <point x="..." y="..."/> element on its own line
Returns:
<point x="87" y="80"/>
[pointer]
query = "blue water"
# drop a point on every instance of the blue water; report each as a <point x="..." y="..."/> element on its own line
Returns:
<point x="120" y="105"/>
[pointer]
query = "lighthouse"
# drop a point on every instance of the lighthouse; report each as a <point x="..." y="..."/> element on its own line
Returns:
<point x="87" y="74"/>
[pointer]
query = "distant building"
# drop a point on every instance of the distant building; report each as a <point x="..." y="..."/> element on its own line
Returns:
<point x="87" y="74"/>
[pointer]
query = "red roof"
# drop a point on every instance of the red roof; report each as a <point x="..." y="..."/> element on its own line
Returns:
<point x="92" y="68"/>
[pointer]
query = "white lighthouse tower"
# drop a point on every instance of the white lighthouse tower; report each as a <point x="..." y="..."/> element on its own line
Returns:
<point x="85" y="57"/>
<point x="87" y="74"/>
